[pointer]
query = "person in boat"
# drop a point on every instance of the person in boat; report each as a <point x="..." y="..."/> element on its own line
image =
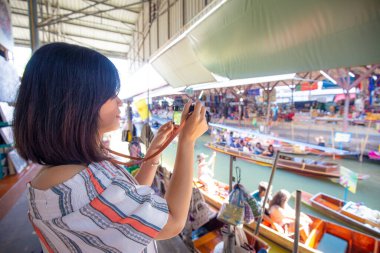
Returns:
<point x="236" y="144"/>
<point x="247" y="147"/>
<point x="258" y="150"/>
<point x="259" y="194"/>
<point x="282" y="214"/>
<point x="321" y="141"/>
<point x="82" y="200"/>
<point x="205" y="168"/>
<point x="269" y="152"/>
<point x="229" y="139"/>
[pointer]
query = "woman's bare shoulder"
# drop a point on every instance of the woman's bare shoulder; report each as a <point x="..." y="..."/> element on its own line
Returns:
<point x="49" y="177"/>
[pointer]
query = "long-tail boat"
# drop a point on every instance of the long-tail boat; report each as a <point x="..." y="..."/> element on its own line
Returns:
<point x="355" y="214"/>
<point x="283" y="144"/>
<point x="324" y="236"/>
<point x="297" y="165"/>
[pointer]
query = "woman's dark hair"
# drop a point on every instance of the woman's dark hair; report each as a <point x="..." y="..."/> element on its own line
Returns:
<point x="280" y="198"/>
<point x="57" y="109"/>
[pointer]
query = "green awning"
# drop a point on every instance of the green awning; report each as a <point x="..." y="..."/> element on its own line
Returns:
<point x="254" y="38"/>
<point x="250" y="38"/>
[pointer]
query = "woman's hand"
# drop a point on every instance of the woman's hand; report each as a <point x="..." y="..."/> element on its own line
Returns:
<point x="196" y="124"/>
<point x="161" y="136"/>
<point x="148" y="168"/>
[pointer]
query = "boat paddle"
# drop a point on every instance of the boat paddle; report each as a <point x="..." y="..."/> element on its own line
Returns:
<point x="274" y="166"/>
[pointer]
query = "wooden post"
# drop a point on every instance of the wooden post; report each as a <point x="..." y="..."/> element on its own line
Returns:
<point x="333" y="142"/>
<point x="364" y="144"/>
<point x="346" y="109"/>
<point x="292" y="126"/>
<point x="268" y="92"/>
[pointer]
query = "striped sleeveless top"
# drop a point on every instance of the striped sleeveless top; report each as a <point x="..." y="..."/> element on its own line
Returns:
<point x="100" y="209"/>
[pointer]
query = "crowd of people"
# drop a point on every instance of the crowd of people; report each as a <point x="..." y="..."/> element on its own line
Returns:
<point x="242" y="144"/>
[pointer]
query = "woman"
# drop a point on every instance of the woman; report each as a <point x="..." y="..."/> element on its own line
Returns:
<point x="269" y="152"/>
<point x="206" y="169"/>
<point x="81" y="201"/>
<point x="258" y="150"/>
<point x="282" y="214"/>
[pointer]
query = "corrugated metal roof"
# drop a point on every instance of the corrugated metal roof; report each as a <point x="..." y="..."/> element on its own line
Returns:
<point x="104" y="25"/>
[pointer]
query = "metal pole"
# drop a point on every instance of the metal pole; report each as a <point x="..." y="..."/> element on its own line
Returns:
<point x="274" y="166"/>
<point x="33" y="28"/>
<point x="230" y="242"/>
<point x="297" y="224"/>
<point x="148" y="106"/>
<point x="232" y="159"/>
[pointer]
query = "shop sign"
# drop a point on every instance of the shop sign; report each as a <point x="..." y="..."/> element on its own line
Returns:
<point x="305" y="86"/>
<point x="342" y="137"/>
<point x="253" y="92"/>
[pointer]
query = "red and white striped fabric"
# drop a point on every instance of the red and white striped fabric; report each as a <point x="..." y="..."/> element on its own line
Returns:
<point x="101" y="209"/>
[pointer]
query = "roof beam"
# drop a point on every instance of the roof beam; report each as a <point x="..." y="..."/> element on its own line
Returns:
<point x="115" y="54"/>
<point x="16" y="12"/>
<point x="50" y="20"/>
<point x="98" y="16"/>
<point x="78" y="36"/>
<point x="117" y="7"/>
<point x="124" y="7"/>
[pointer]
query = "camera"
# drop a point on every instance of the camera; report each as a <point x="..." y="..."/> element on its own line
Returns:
<point x="178" y="110"/>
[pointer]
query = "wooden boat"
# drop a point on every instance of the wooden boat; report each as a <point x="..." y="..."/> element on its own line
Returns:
<point x="373" y="155"/>
<point x="283" y="143"/>
<point x="293" y="149"/>
<point x="324" y="235"/>
<point x="214" y="239"/>
<point x="347" y="212"/>
<point x="297" y="165"/>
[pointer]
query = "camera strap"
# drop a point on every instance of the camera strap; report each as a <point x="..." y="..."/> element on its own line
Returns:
<point x="138" y="160"/>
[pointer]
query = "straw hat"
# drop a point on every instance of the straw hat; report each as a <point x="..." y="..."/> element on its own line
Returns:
<point x="263" y="185"/>
<point x="201" y="156"/>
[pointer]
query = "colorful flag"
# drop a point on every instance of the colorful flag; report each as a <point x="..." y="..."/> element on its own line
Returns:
<point x="348" y="179"/>
<point x="142" y="108"/>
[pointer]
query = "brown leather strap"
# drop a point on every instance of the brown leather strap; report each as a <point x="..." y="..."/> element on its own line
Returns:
<point x="139" y="160"/>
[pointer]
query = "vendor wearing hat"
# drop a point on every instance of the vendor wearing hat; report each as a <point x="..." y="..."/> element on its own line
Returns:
<point x="259" y="194"/>
<point x="205" y="169"/>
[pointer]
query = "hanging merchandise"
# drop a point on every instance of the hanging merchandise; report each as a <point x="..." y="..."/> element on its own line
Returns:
<point x="233" y="212"/>
<point x="252" y="209"/>
<point x="241" y="207"/>
<point x="252" y="203"/>
<point x="199" y="213"/>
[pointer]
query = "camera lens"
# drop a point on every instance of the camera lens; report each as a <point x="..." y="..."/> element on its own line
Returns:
<point x="207" y="115"/>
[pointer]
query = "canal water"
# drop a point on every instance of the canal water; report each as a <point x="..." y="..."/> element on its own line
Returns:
<point x="368" y="191"/>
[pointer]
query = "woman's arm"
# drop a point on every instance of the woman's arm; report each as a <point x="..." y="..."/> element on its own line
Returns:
<point x="148" y="169"/>
<point x="179" y="190"/>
